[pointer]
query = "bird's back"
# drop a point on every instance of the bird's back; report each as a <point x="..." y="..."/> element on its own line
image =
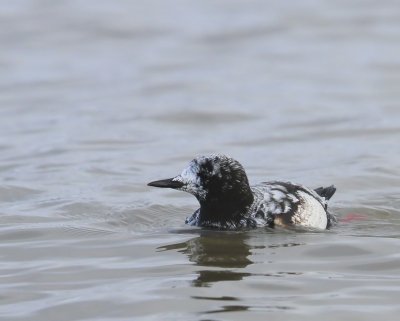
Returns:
<point x="288" y="204"/>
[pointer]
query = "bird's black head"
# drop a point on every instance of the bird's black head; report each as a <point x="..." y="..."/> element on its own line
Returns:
<point x="215" y="180"/>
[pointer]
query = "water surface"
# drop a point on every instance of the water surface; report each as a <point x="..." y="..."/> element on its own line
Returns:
<point x="98" y="98"/>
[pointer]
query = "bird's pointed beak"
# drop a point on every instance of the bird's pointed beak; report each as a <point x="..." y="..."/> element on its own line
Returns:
<point x="166" y="183"/>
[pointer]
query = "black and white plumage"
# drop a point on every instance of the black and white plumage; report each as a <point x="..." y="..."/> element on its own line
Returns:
<point x="227" y="201"/>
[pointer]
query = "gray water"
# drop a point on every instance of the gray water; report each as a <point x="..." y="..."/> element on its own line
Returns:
<point x="97" y="98"/>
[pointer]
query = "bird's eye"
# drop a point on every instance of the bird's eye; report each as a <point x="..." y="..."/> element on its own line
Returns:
<point x="208" y="166"/>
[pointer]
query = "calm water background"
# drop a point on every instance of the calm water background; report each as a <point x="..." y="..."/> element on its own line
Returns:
<point x="97" y="98"/>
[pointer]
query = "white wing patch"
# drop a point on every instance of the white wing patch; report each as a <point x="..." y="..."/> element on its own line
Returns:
<point x="275" y="199"/>
<point x="310" y="212"/>
<point x="277" y="195"/>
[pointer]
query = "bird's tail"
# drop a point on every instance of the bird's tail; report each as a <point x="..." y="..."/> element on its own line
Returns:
<point x="326" y="192"/>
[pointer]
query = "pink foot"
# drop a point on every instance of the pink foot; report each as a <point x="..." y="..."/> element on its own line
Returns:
<point x="350" y="217"/>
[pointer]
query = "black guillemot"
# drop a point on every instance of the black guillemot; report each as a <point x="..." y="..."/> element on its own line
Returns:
<point x="227" y="201"/>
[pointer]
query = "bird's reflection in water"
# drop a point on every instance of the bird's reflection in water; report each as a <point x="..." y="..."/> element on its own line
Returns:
<point x="220" y="252"/>
<point x="223" y="256"/>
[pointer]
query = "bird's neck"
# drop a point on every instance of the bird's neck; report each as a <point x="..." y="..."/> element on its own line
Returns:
<point x="226" y="208"/>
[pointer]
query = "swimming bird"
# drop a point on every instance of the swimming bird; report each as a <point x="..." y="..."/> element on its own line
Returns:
<point x="227" y="201"/>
